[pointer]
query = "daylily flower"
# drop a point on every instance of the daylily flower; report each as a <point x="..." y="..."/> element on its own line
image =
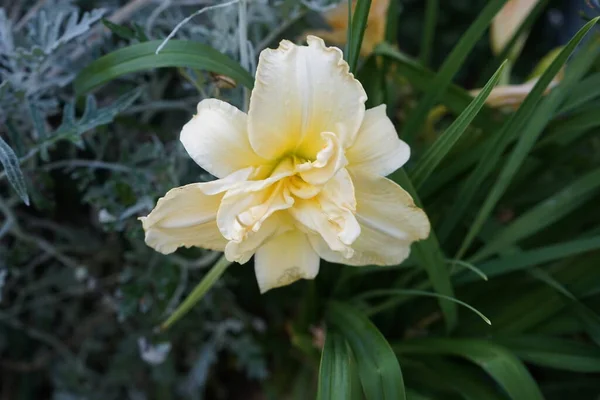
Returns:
<point x="337" y="18"/>
<point x="513" y="95"/>
<point x="301" y="176"/>
<point x="508" y="21"/>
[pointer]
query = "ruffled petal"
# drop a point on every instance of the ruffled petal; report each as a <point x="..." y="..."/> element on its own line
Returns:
<point x="377" y="148"/>
<point x="245" y="207"/>
<point x="241" y="251"/>
<point x="389" y="223"/>
<point x="285" y="259"/>
<point x="300" y="92"/>
<point x="186" y="216"/>
<point x="330" y="159"/>
<point x="331" y="214"/>
<point x="217" y="139"/>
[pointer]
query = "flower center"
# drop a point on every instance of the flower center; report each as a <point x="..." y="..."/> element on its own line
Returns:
<point x="315" y="196"/>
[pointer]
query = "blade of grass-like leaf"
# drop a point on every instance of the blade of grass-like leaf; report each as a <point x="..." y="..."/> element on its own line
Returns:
<point x="450" y="171"/>
<point x="359" y="24"/>
<point x="334" y="371"/>
<point x="499" y="363"/>
<point x="543" y="214"/>
<point x="356" y="391"/>
<point x="469" y="266"/>
<point x="431" y="15"/>
<point x="412" y="292"/>
<point x="555" y="353"/>
<point x="302" y="386"/>
<point x="506" y="52"/>
<point x="448" y="69"/>
<point x="529" y="136"/>
<point x="430" y="256"/>
<point x="391" y="24"/>
<point x="532" y="258"/>
<point x="377" y="365"/>
<point x="141" y="57"/>
<point x="467" y="380"/>
<point x="372" y="77"/>
<point x="585" y="91"/>
<point x="199" y="291"/>
<point x="528" y="303"/>
<point x="514" y="126"/>
<point x="10" y="162"/>
<point x="391" y="34"/>
<point x="440" y="148"/>
<point x="454" y="98"/>
<point x="566" y="131"/>
<point x="348" y="49"/>
<point x="590" y="319"/>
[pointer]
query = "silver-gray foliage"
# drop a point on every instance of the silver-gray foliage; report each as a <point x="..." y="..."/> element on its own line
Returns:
<point x="80" y="287"/>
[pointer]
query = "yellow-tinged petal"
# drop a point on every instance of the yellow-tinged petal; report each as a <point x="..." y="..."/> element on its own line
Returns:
<point x="389" y="223"/>
<point x="247" y="206"/>
<point x="217" y="139"/>
<point x="285" y="259"/>
<point x="327" y="163"/>
<point x="507" y="22"/>
<point x="513" y="95"/>
<point x="331" y="214"/>
<point x="377" y="148"/>
<point x="241" y="251"/>
<point x="186" y="216"/>
<point x="300" y="92"/>
<point x="301" y="174"/>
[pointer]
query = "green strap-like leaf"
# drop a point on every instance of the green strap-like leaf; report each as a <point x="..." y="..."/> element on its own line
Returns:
<point x="512" y="128"/>
<point x="565" y="131"/>
<point x="359" y="24"/>
<point x="455" y="98"/>
<point x="585" y="91"/>
<point x="543" y="214"/>
<point x="377" y="364"/>
<point x="532" y="258"/>
<point x="430" y="256"/>
<point x="440" y="148"/>
<point x="142" y="57"/>
<point x="449" y="68"/>
<point x="516" y="38"/>
<point x="467" y="380"/>
<point x="431" y="16"/>
<point x="391" y="24"/>
<point x="498" y="362"/>
<point x="562" y="354"/>
<point x="589" y="318"/>
<point x="334" y="373"/>
<point x="532" y="130"/>
<point x="10" y="162"/>
<point x="392" y="293"/>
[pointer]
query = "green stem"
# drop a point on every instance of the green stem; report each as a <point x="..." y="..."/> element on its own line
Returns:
<point x="199" y="291"/>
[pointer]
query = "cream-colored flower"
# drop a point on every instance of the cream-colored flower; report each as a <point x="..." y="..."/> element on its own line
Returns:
<point x="507" y="22"/>
<point x="512" y="96"/>
<point x="337" y="19"/>
<point x="301" y="176"/>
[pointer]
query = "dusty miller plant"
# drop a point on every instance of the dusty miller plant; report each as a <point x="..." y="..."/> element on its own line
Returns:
<point x="78" y="288"/>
